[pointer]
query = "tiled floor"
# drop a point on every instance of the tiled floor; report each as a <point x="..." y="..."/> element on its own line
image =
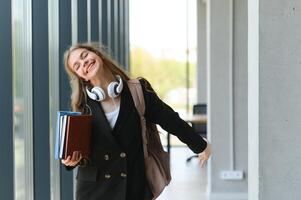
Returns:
<point x="188" y="180"/>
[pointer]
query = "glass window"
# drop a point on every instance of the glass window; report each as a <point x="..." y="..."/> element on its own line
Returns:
<point x="163" y="47"/>
<point x="54" y="63"/>
<point x="22" y="99"/>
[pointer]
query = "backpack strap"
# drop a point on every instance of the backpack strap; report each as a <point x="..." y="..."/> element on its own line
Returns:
<point x="137" y="94"/>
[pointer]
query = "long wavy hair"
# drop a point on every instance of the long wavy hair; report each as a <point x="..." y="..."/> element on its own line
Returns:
<point x="77" y="84"/>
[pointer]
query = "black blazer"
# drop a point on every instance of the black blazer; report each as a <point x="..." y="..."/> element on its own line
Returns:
<point x="116" y="170"/>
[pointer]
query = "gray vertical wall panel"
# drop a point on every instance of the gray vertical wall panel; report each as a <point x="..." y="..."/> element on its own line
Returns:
<point x="82" y="21"/>
<point x="6" y="107"/>
<point x="100" y="20"/>
<point x="40" y="99"/>
<point x="279" y="96"/>
<point x="121" y="32"/>
<point x="64" y="43"/>
<point x="126" y="36"/>
<point x="240" y="89"/>
<point x="94" y="21"/>
<point x="219" y="93"/>
<point x="109" y="23"/>
<point x="201" y="53"/>
<point x="104" y="22"/>
<point x="115" y="29"/>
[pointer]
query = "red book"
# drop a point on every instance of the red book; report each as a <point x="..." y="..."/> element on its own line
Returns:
<point x="78" y="135"/>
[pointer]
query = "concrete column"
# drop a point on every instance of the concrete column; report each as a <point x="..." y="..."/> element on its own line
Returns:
<point x="227" y="97"/>
<point x="201" y="53"/>
<point x="274" y="99"/>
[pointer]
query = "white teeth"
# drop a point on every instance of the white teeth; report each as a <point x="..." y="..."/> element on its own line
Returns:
<point x="90" y="66"/>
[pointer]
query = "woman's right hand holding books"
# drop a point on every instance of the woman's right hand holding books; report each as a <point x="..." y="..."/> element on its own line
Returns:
<point x="74" y="160"/>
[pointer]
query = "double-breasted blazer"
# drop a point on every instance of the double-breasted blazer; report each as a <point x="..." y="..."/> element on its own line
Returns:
<point x="116" y="169"/>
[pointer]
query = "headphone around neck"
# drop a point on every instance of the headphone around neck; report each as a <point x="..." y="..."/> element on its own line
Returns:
<point x="114" y="89"/>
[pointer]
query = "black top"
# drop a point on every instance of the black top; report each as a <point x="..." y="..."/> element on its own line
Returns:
<point x="158" y="112"/>
<point x="116" y="170"/>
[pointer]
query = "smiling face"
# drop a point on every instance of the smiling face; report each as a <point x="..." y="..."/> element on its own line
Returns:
<point x="84" y="63"/>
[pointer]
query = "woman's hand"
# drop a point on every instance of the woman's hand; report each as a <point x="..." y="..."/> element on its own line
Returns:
<point x="204" y="156"/>
<point x="72" y="161"/>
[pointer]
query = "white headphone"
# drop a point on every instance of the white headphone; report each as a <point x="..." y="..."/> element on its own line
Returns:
<point x="114" y="89"/>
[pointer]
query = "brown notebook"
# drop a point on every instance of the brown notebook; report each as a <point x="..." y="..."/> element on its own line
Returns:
<point x="78" y="135"/>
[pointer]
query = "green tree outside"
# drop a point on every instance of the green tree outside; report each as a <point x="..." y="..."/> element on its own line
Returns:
<point x="164" y="74"/>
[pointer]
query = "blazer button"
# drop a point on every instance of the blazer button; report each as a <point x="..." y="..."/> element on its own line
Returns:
<point x="106" y="157"/>
<point x="107" y="176"/>
<point x="123" y="175"/>
<point x="122" y="155"/>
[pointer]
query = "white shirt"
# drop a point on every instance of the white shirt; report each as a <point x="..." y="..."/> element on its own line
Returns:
<point x="112" y="117"/>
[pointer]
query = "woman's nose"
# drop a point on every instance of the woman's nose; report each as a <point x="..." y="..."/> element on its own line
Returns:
<point x="85" y="63"/>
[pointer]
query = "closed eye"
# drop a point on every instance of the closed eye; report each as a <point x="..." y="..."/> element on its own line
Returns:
<point x="76" y="66"/>
<point x="84" y="54"/>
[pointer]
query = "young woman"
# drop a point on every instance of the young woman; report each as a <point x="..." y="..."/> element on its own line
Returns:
<point x="116" y="169"/>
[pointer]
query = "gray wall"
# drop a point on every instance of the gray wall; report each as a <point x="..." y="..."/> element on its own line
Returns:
<point x="219" y="96"/>
<point x="240" y="90"/>
<point x="201" y="52"/>
<point x="277" y="74"/>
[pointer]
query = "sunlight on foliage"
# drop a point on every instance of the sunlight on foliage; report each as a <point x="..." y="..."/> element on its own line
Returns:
<point x="164" y="74"/>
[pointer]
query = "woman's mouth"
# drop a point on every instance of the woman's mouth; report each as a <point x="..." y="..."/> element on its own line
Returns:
<point x="90" y="67"/>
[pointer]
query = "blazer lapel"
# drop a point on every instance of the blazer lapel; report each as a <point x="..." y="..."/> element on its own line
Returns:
<point x="103" y="124"/>
<point x="126" y="107"/>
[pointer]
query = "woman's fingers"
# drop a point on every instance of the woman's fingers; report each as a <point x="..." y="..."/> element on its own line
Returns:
<point x="66" y="161"/>
<point x="205" y="155"/>
<point x="72" y="161"/>
<point x="203" y="159"/>
<point x="74" y="156"/>
<point x="78" y="156"/>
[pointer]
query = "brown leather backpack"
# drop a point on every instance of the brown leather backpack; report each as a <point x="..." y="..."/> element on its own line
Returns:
<point x="157" y="166"/>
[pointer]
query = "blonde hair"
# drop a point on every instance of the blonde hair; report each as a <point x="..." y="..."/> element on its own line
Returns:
<point x="78" y="92"/>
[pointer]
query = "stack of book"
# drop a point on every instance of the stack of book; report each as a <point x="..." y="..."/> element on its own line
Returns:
<point x="73" y="133"/>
